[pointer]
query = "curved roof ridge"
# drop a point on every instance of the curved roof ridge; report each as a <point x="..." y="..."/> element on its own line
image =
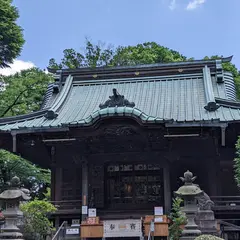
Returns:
<point x="117" y="112"/>
<point x="174" y="64"/>
<point x="228" y="103"/>
<point x="58" y="102"/>
<point x="42" y="112"/>
<point x="47" y="96"/>
<point x="7" y="120"/>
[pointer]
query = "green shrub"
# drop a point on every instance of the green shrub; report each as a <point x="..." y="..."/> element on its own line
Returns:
<point x="177" y="218"/>
<point x="208" y="237"/>
<point x="36" y="225"/>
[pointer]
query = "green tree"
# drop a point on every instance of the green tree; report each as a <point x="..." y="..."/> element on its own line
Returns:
<point x="95" y="55"/>
<point x="237" y="163"/>
<point x="11" y="36"/>
<point x="24" y="92"/>
<point x="36" y="225"/>
<point x="146" y="53"/>
<point x="32" y="177"/>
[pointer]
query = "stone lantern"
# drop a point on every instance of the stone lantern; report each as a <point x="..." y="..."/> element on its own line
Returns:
<point x="188" y="192"/>
<point x="11" y="199"/>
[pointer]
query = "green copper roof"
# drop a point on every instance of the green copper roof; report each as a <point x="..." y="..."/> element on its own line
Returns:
<point x="181" y="98"/>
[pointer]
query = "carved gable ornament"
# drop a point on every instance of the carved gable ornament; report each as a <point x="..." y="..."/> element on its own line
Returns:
<point x="116" y="100"/>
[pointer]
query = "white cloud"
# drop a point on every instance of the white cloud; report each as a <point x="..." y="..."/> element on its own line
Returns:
<point x="173" y="4"/>
<point x="15" y="67"/>
<point x="195" y="4"/>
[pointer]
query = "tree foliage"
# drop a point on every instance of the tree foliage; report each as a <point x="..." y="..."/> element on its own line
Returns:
<point x="32" y="177"/>
<point x="237" y="163"/>
<point x="93" y="55"/>
<point x="98" y="55"/>
<point x="36" y="225"/>
<point x="24" y="92"/>
<point x="177" y="219"/>
<point x="146" y="53"/>
<point x="11" y="36"/>
<point x="208" y="237"/>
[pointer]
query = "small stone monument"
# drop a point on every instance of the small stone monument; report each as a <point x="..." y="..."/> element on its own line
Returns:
<point x="188" y="192"/>
<point x="205" y="218"/>
<point x="11" y="199"/>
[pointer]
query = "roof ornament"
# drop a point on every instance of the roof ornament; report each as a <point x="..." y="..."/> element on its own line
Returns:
<point x="50" y="115"/>
<point x="219" y="71"/>
<point x="188" y="178"/>
<point x="117" y="100"/>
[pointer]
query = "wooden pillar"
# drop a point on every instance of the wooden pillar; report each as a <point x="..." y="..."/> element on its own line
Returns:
<point x="212" y="169"/>
<point x="14" y="142"/>
<point x="167" y="189"/>
<point x="58" y="183"/>
<point x="84" y="187"/>
<point x="53" y="173"/>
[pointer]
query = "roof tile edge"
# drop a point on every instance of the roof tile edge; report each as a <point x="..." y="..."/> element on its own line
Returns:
<point x="143" y="66"/>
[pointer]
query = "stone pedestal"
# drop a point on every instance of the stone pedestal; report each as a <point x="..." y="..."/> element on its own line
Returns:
<point x="206" y="221"/>
<point x="10" y="230"/>
<point x="191" y="231"/>
<point x="11" y="199"/>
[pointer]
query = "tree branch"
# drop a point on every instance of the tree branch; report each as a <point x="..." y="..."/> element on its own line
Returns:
<point x="16" y="100"/>
<point x="14" y="103"/>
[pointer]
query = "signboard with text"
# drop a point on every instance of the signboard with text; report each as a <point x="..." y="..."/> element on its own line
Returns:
<point x="158" y="211"/>
<point x="72" y="231"/>
<point x="122" y="228"/>
<point x="92" y="212"/>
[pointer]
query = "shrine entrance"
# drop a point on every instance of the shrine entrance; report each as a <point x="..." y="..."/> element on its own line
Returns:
<point x="134" y="185"/>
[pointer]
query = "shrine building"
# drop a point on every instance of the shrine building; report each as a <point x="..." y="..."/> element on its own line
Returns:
<point x="118" y="139"/>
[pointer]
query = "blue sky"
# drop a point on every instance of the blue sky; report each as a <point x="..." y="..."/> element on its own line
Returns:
<point x="195" y="28"/>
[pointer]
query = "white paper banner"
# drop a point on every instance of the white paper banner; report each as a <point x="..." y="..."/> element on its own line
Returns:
<point x="122" y="228"/>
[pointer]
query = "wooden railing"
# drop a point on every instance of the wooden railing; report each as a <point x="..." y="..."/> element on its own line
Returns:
<point x="227" y="203"/>
<point x="222" y="203"/>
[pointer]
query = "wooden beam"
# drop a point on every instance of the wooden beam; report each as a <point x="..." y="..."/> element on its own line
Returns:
<point x="59" y="140"/>
<point x="181" y="135"/>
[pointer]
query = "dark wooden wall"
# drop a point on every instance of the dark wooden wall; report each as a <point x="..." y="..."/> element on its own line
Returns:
<point x="127" y="141"/>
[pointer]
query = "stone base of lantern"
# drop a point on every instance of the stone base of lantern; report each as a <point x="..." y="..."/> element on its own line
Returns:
<point x="11" y="235"/>
<point x="188" y="238"/>
<point x="10" y="230"/>
<point x="190" y="234"/>
<point x="191" y="231"/>
<point x="206" y="222"/>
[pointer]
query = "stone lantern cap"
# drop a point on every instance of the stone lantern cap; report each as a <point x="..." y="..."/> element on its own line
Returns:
<point x="189" y="188"/>
<point x="15" y="191"/>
